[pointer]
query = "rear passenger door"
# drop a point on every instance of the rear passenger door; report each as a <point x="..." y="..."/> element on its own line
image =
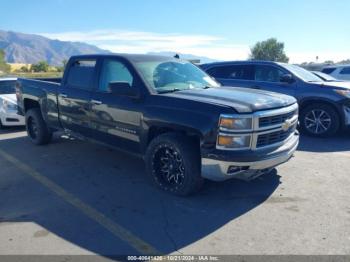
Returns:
<point x="268" y="77"/>
<point x="74" y="96"/>
<point x="233" y="75"/>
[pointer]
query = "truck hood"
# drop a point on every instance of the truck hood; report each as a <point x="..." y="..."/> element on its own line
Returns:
<point x="243" y="100"/>
<point x="10" y="98"/>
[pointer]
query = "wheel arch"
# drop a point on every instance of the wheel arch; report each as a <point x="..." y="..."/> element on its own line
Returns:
<point x="156" y="130"/>
<point x="310" y="101"/>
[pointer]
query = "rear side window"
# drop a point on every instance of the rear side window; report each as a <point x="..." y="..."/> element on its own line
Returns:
<point x="81" y="74"/>
<point x="328" y="70"/>
<point x="345" y="71"/>
<point x="243" y="72"/>
<point x="268" y="73"/>
<point x="7" y="87"/>
<point x="114" y="71"/>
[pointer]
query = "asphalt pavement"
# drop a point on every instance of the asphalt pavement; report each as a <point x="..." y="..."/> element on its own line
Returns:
<point x="73" y="197"/>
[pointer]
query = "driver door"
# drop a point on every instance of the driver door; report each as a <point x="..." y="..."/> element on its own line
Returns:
<point x="268" y="77"/>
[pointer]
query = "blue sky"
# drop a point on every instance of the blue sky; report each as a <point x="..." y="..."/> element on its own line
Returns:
<point x="221" y="29"/>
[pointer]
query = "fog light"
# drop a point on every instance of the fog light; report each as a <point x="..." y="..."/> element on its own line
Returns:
<point x="236" y="169"/>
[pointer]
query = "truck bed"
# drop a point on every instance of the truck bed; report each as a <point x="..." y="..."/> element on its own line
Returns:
<point x="42" y="91"/>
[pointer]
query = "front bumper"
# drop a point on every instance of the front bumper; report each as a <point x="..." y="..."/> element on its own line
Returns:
<point x="11" y="119"/>
<point x="346" y="109"/>
<point x="219" y="170"/>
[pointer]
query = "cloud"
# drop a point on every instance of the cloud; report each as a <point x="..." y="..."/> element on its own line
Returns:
<point x="120" y="41"/>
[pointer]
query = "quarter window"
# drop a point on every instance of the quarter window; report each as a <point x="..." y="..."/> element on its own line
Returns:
<point x="114" y="71"/>
<point x="345" y="71"/>
<point x="328" y="70"/>
<point x="243" y="72"/>
<point x="267" y="73"/>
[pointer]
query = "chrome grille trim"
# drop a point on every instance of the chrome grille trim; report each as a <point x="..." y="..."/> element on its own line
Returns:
<point x="257" y="130"/>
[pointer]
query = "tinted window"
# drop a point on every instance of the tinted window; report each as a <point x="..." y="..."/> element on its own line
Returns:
<point x="345" y="71"/>
<point x="114" y="71"/>
<point x="7" y="87"/>
<point x="328" y="70"/>
<point x="267" y="73"/>
<point x="81" y="74"/>
<point x="244" y="72"/>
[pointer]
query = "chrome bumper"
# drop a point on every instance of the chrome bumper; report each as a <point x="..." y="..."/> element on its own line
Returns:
<point x="217" y="170"/>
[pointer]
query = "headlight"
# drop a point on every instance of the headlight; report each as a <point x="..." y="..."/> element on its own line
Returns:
<point x="232" y="123"/>
<point x="234" y="142"/>
<point x="8" y="105"/>
<point x="341" y="92"/>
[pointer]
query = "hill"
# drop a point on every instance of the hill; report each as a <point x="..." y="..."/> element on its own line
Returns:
<point x="30" y="49"/>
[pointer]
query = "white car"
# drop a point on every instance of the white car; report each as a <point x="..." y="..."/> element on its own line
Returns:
<point x="341" y="72"/>
<point x="8" y="104"/>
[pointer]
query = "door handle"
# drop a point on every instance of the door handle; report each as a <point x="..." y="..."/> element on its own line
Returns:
<point x="96" y="102"/>
<point x="255" y="87"/>
<point x="63" y="95"/>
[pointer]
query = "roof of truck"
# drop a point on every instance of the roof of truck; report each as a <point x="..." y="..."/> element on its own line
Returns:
<point x="130" y="57"/>
<point x="8" y="78"/>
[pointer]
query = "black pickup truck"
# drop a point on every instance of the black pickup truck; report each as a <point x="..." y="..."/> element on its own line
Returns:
<point x="169" y="112"/>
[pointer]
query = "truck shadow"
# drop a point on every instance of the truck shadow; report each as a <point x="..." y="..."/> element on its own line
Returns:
<point x="339" y="143"/>
<point x="7" y="130"/>
<point x="116" y="186"/>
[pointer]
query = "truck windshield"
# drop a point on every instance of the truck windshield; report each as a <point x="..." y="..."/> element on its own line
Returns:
<point x="171" y="76"/>
<point x="7" y="87"/>
<point x="302" y="73"/>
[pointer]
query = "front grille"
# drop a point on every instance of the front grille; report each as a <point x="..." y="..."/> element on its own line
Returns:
<point x="275" y="120"/>
<point x="274" y="137"/>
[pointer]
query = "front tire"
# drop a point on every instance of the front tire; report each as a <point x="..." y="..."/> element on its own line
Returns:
<point x="37" y="129"/>
<point x="173" y="162"/>
<point x="319" y="120"/>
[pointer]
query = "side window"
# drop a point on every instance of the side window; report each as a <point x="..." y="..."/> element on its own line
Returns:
<point x="114" y="71"/>
<point x="268" y="73"/>
<point x="243" y="72"/>
<point x="345" y="71"/>
<point x="328" y="70"/>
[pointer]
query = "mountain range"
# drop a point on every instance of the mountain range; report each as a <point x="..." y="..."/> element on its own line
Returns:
<point x="30" y="49"/>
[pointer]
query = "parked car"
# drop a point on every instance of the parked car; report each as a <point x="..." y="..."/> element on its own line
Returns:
<point x="167" y="111"/>
<point x="324" y="106"/>
<point x="8" y="104"/>
<point x="325" y="77"/>
<point x="341" y="72"/>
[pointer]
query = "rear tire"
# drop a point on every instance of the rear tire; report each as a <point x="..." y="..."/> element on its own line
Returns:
<point x="319" y="120"/>
<point x="173" y="163"/>
<point x="37" y="129"/>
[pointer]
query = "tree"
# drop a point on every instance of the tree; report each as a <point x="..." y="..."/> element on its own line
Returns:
<point x="269" y="50"/>
<point x="61" y="68"/>
<point x="24" y="69"/>
<point x="41" y="66"/>
<point x="4" y="67"/>
<point x="330" y="62"/>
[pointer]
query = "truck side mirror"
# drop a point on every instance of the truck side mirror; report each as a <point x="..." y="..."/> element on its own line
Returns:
<point x="123" y="89"/>
<point x="287" y="78"/>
